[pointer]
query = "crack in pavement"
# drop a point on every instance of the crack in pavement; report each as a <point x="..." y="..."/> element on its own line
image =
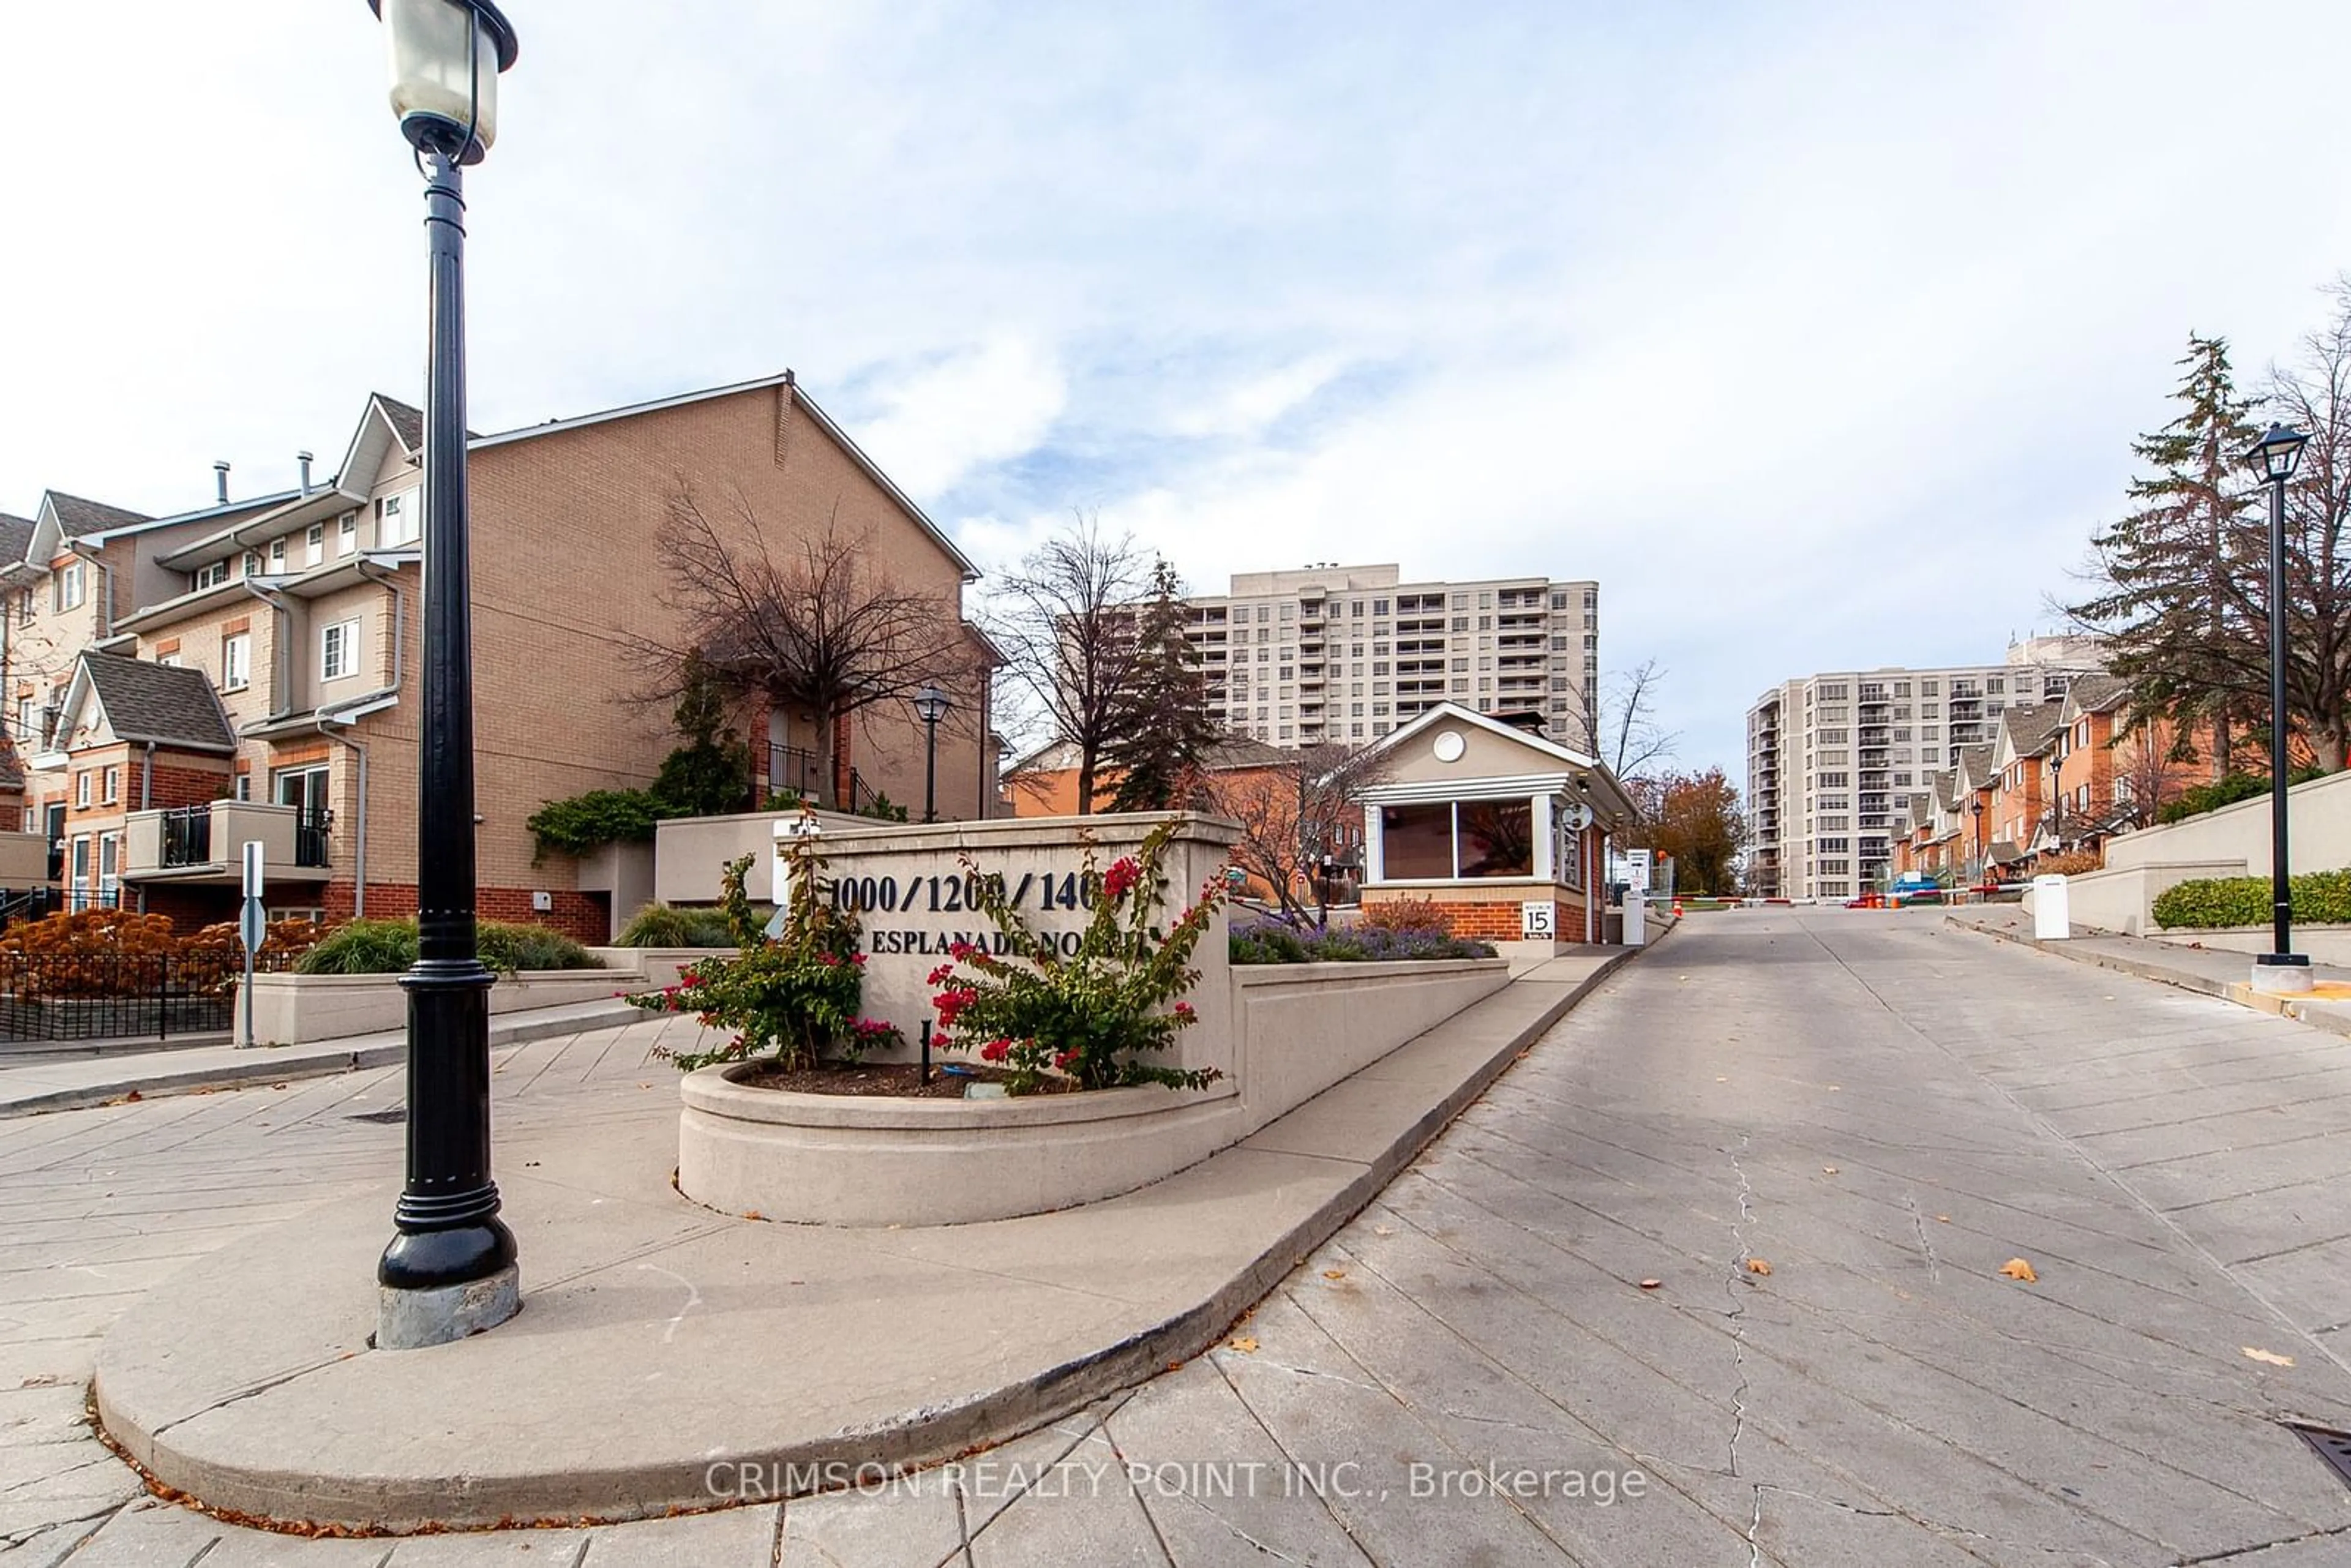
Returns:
<point x="1919" y="1223"/>
<point x="1737" y="1317"/>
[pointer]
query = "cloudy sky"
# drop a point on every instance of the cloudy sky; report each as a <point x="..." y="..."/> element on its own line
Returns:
<point x="1817" y="333"/>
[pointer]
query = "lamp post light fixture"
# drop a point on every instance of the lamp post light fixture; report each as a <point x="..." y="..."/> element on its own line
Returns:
<point x="2275" y="457"/>
<point x="1981" y="870"/>
<point x="450" y="1269"/>
<point x="931" y="705"/>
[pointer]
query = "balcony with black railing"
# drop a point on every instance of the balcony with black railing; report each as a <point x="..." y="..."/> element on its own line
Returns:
<point x="206" y="844"/>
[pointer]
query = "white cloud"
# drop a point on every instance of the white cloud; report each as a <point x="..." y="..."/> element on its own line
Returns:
<point x="979" y="406"/>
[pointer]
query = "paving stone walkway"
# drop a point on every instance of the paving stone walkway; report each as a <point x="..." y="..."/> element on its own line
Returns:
<point x="1878" y="1109"/>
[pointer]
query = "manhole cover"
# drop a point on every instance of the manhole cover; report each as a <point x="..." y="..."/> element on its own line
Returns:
<point x="2329" y="1443"/>
<point x="395" y="1113"/>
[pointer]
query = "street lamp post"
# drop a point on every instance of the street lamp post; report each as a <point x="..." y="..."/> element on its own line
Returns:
<point x="450" y="1269"/>
<point x="931" y="705"/>
<point x="2275" y="457"/>
<point x="1980" y="868"/>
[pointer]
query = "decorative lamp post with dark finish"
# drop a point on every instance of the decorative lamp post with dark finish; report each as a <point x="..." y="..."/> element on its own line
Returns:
<point x="1982" y="871"/>
<point x="931" y="705"/>
<point x="2275" y="457"/>
<point x="449" y="1271"/>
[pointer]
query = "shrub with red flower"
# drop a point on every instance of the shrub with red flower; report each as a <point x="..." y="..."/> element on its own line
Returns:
<point x="1096" y="1015"/>
<point x="794" y="997"/>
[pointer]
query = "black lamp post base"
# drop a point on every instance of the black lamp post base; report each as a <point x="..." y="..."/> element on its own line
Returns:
<point x="2283" y="974"/>
<point x="441" y="1314"/>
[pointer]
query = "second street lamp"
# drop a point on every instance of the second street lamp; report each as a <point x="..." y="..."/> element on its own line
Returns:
<point x="2274" y="458"/>
<point x="450" y="1272"/>
<point x="931" y="705"/>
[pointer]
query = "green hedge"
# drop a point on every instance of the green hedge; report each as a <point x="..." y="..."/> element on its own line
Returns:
<point x="667" y="926"/>
<point x="2320" y="897"/>
<point x="389" y="947"/>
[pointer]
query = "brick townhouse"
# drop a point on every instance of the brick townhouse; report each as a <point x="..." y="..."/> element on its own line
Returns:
<point x="289" y="624"/>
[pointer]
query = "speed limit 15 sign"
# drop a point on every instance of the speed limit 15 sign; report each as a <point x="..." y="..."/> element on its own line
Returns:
<point x="1538" y="920"/>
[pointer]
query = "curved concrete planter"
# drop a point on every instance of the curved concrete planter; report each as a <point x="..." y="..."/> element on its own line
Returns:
<point x="833" y="1159"/>
<point x="838" y="1159"/>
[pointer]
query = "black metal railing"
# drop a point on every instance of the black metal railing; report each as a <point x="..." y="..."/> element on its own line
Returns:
<point x="28" y="903"/>
<point x="121" y="995"/>
<point x="310" y="839"/>
<point x="56" y="859"/>
<point x="796" y="768"/>
<point x="187" y="835"/>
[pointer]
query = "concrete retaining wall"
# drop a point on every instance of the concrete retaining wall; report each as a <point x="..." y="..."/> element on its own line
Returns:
<point x="2124" y="899"/>
<point x="296" y="1009"/>
<point x="2318" y="812"/>
<point x="2322" y="944"/>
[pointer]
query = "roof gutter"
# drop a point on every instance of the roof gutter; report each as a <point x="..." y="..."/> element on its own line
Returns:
<point x="278" y="662"/>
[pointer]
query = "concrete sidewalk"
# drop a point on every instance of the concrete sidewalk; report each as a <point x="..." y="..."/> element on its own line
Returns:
<point x="29" y="1088"/>
<point x="2212" y="971"/>
<point x="659" y="1336"/>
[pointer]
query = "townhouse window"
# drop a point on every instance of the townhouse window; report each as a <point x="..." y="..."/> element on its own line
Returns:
<point x="397" y="521"/>
<point x="71" y="584"/>
<point x="169" y="661"/>
<point x="347" y="533"/>
<point x="79" y="897"/>
<point x="212" y="576"/>
<point x="110" y="785"/>
<point x="81" y="790"/>
<point x="338" y="650"/>
<point x="314" y="545"/>
<point x="28" y="723"/>
<point x="236" y="662"/>
<point x="110" y="867"/>
<point x="277" y="556"/>
<point x="252" y="563"/>
<point x="242" y="788"/>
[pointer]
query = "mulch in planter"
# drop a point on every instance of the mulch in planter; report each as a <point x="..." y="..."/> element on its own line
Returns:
<point x="888" y="1078"/>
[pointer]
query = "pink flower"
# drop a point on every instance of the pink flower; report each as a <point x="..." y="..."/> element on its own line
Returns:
<point x="1123" y="873"/>
<point x="1183" y="1010"/>
<point x="995" y="1051"/>
<point x="960" y="951"/>
<point x="858" y="959"/>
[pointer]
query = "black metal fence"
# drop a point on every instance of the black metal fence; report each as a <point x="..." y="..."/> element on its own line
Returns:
<point x="121" y="995"/>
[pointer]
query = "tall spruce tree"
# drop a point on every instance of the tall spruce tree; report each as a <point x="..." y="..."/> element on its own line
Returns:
<point x="1163" y="731"/>
<point x="2171" y="573"/>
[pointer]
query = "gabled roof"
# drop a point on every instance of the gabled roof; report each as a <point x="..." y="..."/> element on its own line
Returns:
<point x="799" y="399"/>
<point x="1974" y="770"/>
<point x="145" y="701"/>
<point x="2027" y="730"/>
<point x="16" y="536"/>
<point x="77" y="516"/>
<point x="2094" y="692"/>
<point x="407" y="422"/>
<point x="1454" y="712"/>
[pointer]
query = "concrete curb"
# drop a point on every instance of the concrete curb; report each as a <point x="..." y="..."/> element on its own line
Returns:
<point x="2333" y="1019"/>
<point x="285" y="1489"/>
<point x="284" y="1063"/>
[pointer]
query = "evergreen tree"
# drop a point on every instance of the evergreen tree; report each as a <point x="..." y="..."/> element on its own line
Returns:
<point x="711" y="773"/>
<point x="2173" y="571"/>
<point x="1163" y="731"/>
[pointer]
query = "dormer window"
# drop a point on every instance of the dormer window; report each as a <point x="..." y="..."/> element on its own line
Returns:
<point x="72" y="583"/>
<point x="212" y="576"/>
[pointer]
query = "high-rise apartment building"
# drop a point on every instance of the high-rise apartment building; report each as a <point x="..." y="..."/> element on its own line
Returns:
<point x="1347" y="654"/>
<point x="1832" y="759"/>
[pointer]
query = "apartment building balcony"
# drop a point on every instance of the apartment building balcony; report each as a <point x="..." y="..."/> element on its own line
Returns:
<point x="206" y="844"/>
<point x="1874" y="760"/>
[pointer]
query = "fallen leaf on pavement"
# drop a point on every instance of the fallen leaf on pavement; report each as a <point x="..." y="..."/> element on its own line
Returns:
<point x="1832" y="1170"/>
<point x="1720" y="1079"/>
<point x="1389" y="1229"/>
<point x="755" y="1214"/>
<point x="1839" y="1088"/>
<point x="1757" y="1266"/>
<point x="1246" y="1345"/>
<point x="2018" y="1268"/>
<point x="1651" y="1284"/>
<point x="1334" y="1273"/>
<point x="1945" y="1218"/>
<point x="2268" y="1358"/>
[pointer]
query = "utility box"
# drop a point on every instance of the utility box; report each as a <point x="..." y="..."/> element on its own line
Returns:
<point x="2052" y="921"/>
<point x="1637" y="916"/>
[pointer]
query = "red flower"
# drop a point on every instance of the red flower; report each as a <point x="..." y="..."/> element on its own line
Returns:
<point x="960" y="951"/>
<point x="995" y="1051"/>
<point x="858" y="959"/>
<point x="1064" y="1060"/>
<point x="1183" y="1010"/>
<point x="942" y="975"/>
<point x="828" y="960"/>
<point x="1123" y="873"/>
<point x="952" y="1002"/>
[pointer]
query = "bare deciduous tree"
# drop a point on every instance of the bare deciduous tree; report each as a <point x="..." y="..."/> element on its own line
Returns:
<point x="1067" y="622"/>
<point x="811" y="620"/>
<point x="1617" y="723"/>
<point x="1294" y="811"/>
